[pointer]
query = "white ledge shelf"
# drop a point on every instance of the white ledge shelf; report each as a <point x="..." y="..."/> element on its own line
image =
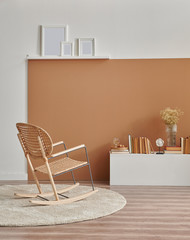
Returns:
<point x="64" y="58"/>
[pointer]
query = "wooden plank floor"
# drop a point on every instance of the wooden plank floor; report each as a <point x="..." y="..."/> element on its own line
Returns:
<point x="152" y="213"/>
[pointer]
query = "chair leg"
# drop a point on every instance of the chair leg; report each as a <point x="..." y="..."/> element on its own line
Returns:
<point x="73" y="177"/>
<point x="34" y="175"/>
<point x="37" y="182"/>
<point x="35" y="179"/>
<point x="52" y="181"/>
<point x="89" y="169"/>
<point x="91" y="177"/>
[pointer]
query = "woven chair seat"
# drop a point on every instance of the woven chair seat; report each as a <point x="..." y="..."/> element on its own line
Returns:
<point x="60" y="166"/>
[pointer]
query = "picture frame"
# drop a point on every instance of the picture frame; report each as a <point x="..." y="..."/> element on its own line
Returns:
<point x="86" y="46"/>
<point x="66" y="49"/>
<point x="51" y="36"/>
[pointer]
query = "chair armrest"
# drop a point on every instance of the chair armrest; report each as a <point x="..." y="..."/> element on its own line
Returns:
<point x="68" y="150"/>
<point x="58" y="143"/>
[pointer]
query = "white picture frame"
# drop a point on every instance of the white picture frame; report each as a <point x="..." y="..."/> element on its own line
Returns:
<point x="66" y="49"/>
<point x="51" y="36"/>
<point x="86" y="46"/>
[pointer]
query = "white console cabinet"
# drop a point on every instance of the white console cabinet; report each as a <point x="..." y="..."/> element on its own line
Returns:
<point x="150" y="169"/>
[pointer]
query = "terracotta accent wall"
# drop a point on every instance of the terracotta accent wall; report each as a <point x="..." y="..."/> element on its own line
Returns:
<point x="93" y="101"/>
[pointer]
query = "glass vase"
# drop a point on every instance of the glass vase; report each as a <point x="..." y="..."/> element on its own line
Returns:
<point x="171" y="131"/>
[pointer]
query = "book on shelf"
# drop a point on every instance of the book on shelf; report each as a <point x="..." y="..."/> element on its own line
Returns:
<point x="143" y="145"/>
<point x="130" y="144"/>
<point x="185" y="145"/>
<point x="120" y="150"/>
<point x="172" y="152"/>
<point x="176" y="148"/>
<point x="136" y="145"/>
<point x="146" y="146"/>
<point x="182" y="144"/>
<point x="140" y="145"/>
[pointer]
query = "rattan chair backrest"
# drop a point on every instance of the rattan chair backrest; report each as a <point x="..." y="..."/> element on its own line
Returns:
<point x="28" y="135"/>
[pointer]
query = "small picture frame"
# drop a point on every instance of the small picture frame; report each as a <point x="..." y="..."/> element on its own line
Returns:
<point x="66" y="49"/>
<point x="86" y="47"/>
<point x="51" y="37"/>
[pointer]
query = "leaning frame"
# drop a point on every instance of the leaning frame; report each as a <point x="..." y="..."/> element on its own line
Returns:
<point x="53" y="39"/>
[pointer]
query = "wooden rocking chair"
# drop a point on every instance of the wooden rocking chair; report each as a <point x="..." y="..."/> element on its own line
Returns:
<point x="37" y="144"/>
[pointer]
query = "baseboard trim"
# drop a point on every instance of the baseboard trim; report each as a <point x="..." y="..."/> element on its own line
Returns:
<point x="13" y="176"/>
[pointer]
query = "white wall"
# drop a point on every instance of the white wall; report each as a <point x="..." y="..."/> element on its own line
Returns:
<point x="122" y="28"/>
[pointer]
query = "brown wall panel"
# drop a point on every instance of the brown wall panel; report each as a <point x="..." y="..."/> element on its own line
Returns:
<point x="93" y="101"/>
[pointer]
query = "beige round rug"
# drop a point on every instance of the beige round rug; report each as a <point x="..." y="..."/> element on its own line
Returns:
<point x="16" y="211"/>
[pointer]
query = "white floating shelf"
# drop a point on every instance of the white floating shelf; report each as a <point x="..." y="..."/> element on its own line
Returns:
<point x="66" y="58"/>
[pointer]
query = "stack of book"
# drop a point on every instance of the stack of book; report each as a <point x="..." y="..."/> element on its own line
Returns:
<point x="140" y="145"/>
<point x="173" y="150"/>
<point x="119" y="149"/>
<point x="183" y="149"/>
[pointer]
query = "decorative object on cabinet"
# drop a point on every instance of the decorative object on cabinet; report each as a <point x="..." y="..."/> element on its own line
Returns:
<point x="171" y="131"/>
<point x="159" y="144"/>
<point x="117" y="147"/>
<point x="51" y="37"/>
<point x="116" y="142"/>
<point x="171" y="118"/>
